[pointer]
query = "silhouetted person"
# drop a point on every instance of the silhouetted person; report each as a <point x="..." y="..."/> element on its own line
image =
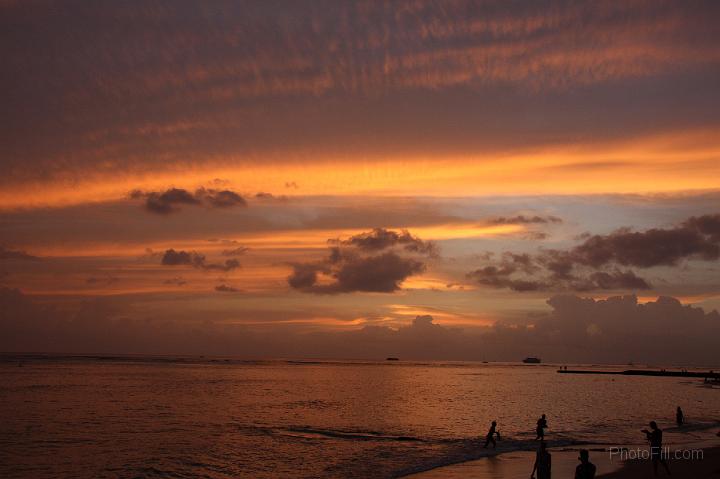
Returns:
<point x="654" y="436"/>
<point x="541" y="426"/>
<point x="679" y="417"/>
<point x="543" y="461"/>
<point x="586" y="469"/>
<point x="489" y="439"/>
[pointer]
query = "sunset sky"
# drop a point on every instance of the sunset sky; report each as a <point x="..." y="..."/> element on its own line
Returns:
<point x="318" y="179"/>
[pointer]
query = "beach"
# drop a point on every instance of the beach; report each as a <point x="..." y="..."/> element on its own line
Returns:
<point x="707" y="467"/>
<point x="518" y="465"/>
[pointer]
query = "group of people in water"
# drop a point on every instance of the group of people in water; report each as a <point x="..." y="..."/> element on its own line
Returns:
<point x="586" y="469"/>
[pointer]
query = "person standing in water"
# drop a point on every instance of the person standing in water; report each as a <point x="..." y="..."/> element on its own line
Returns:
<point x="543" y="463"/>
<point x="586" y="469"/>
<point x="679" y="417"/>
<point x="541" y="426"/>
<point x="654" y="436"/>
<point x="489" y="439"/>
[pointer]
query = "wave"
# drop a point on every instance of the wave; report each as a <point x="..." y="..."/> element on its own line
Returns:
<point x="357" y="435"/>
<point x="427" y="453"/>
<point x="466" y="450"/>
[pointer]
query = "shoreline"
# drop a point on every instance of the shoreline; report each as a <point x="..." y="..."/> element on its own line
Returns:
<point x="517" y="464"/>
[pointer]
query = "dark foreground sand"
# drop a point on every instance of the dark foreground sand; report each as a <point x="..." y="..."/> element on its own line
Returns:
<point x="707" y="467"/>
<point x="517" y="465"/>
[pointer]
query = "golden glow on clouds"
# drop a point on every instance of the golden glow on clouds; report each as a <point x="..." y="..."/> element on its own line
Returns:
<point x="440" y="316"/>
<point x="272" y="241"/>
<point x="658" y="163"/>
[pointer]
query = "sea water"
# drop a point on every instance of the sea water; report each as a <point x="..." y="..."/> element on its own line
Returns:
<point x="90" y="417"/>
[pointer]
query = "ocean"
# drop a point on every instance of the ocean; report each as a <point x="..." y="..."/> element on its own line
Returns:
<point x="95" y="417"/>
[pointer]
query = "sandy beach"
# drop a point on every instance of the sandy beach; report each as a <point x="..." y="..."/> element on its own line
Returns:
<point x="707" y="467"/>
<point x="518" y="465"/>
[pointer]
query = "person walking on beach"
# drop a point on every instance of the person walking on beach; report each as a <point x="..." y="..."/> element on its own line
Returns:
<point x="654" y="436"/>
<point x="541" y="426"/>
<point x="489" y="439"/>
<point x="586" y="469"/>
<point x="679" y="417"/>
<point x="543" y="462"/>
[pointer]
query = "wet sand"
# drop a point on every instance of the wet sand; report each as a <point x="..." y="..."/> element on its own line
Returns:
<point x="518" y="465"/>
<point x="707" y="467"/>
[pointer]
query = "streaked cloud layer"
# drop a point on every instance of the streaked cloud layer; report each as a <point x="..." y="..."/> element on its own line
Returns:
<point x="325" y="166"/>
<point x="357" y="97"/>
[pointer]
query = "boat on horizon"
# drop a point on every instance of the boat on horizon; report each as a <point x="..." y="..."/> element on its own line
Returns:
<point x="531" y="360"/>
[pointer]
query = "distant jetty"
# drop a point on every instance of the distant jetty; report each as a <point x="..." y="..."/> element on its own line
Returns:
<point x="647" y="372"/>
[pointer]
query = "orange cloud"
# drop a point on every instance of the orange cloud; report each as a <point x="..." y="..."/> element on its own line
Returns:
<point x="669" y="162"/>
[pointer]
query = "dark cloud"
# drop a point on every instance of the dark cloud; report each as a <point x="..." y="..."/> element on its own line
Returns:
<point x="377" y="261"/>
<point x="536" y="235"/>
<point x="270" y="197"/>
<point x="695" y="238"/>
<point x="166" y="202"/>
<point x="224" y="288"/>
<point x="171" y="200"/>
<point x="707" y="225"/>
<point x="621" y="329"/>
<point x="379" y="274"/>
<point x="618" y="280"/>
<point x="554" y="276"/>
<point x="196" y="260"/>
<point x="240" y="250"/>
<point x="228" y="265"/>
<point x="150" y="253"/>
<point x="381" y="238"/>
<point x="224" y="241"/>
<point x="220" y="198"/>
<point x="105" y="280"/>
<point x="534" y="220"/>
<point x="654" y="247"/>
<point x="174" y="258"/>
<point x="499" y="277"/>
<point x="522" y="219"/>
<point x="501" y="274"/>
<point x="382" y="274"/>
<point x="595" y="263"/>
<point x="305" y="275"/>
<point x="15" y="254"/>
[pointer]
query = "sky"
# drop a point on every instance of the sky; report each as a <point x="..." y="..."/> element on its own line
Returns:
<point x="433" y="180"/>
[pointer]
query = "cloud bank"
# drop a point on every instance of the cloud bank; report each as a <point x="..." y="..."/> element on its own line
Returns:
<point x="601" y="262"/>
<point x="163" y="92"/>
<point x="616" y="330"/>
